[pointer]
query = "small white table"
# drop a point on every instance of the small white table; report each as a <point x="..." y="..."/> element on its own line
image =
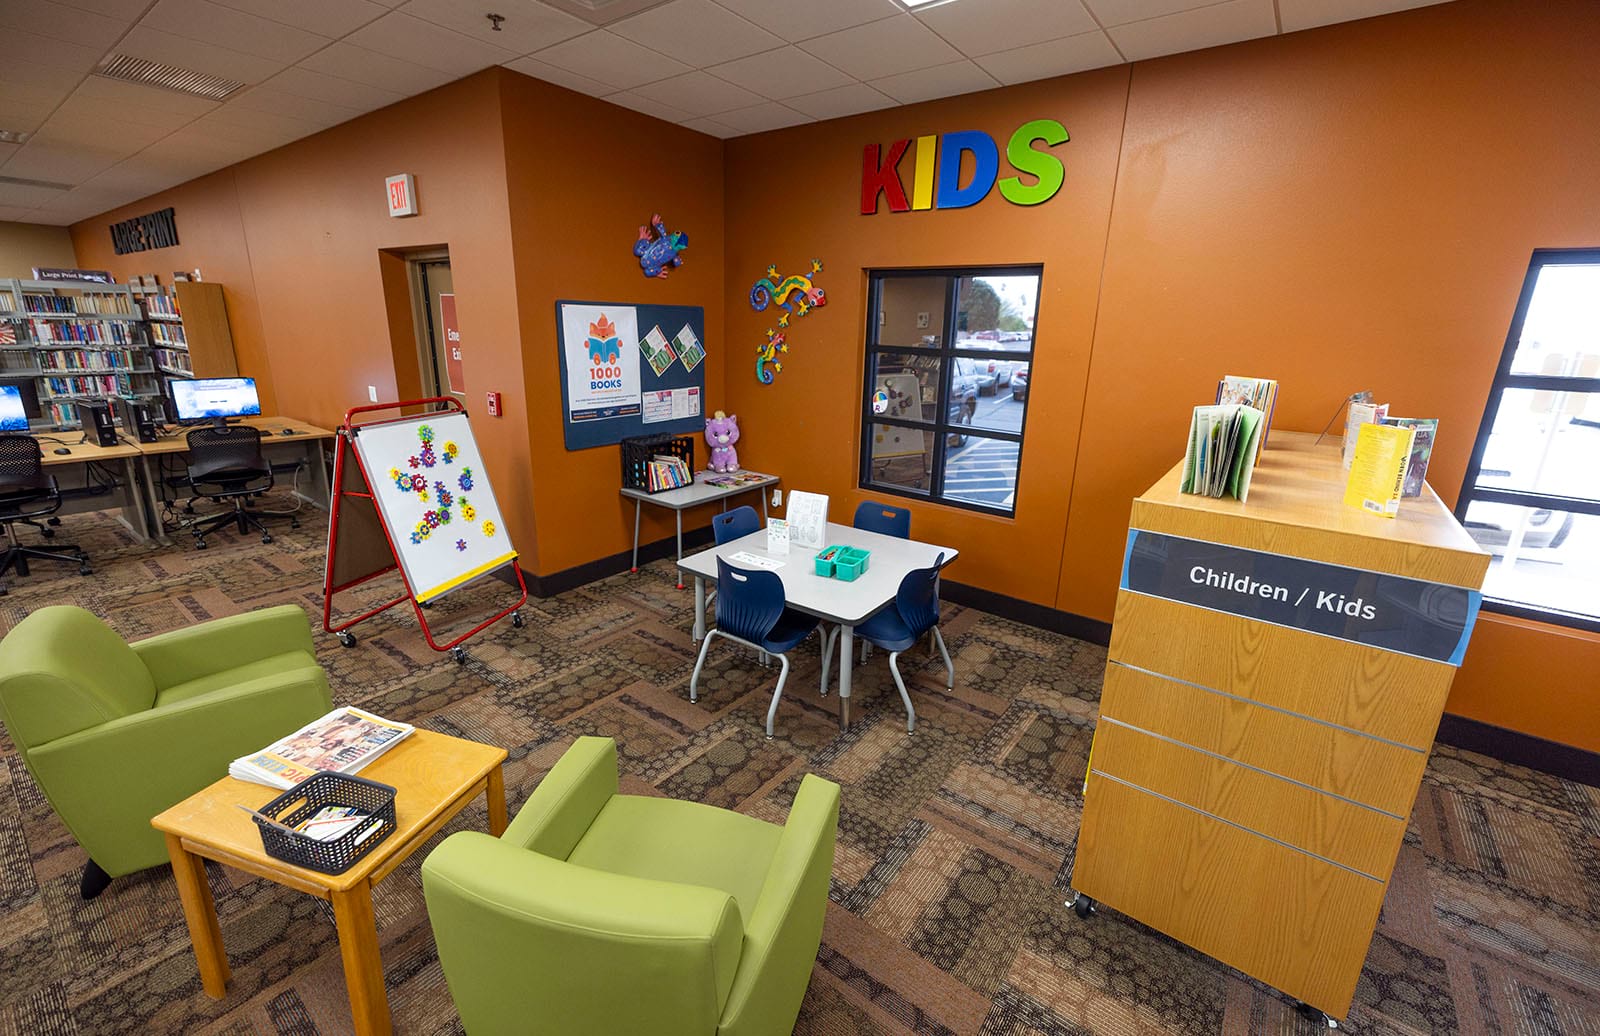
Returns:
<point x="848" y="604"/>
<point x="680" y="500"/>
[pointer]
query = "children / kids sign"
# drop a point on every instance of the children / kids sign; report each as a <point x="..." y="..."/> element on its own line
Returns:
<point x="601" y="350"/>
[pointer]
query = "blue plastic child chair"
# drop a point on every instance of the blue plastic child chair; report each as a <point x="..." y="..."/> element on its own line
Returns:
<point x="730" y="525"/>
<point x="884" y="518"/>
<point x="915" y="613"/>
<point x="751" y="611"/>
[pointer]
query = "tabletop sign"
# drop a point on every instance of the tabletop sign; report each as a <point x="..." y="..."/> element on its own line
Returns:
<point x="1375" y="609"/>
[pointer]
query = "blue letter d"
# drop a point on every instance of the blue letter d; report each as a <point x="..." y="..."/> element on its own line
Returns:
<point x="986" y="158"/>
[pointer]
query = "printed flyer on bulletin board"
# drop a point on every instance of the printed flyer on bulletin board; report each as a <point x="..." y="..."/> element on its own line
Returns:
<point x="601" y="347"/>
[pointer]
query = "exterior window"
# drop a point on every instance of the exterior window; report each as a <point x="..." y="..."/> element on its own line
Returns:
<point x="1532" y="493"/>
<point x="949" y="357"/>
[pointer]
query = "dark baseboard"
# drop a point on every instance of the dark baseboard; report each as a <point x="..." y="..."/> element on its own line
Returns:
<point x="591" y="571"/>
<point x="1092" y="630"/>
<point x="1511" y="746"/>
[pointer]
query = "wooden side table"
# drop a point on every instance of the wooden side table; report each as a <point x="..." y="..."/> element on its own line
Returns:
<point x="435" y="776"/>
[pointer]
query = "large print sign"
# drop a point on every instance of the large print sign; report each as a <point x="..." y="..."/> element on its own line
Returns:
<point x="600" y="345"/>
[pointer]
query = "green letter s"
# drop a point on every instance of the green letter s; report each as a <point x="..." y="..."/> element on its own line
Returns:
<point x="1046" y="168"/>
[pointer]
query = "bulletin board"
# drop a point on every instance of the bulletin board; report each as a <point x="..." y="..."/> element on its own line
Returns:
<point x="433" y="495"/>
<point x="630" y="369"/>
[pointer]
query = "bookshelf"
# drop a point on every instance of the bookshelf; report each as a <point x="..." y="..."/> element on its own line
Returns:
<point x="67" y="341"/>
<point x="189" y="333"/>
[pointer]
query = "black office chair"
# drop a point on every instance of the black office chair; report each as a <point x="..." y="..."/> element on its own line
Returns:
<point x="226" y="464"/>
<point x="27" y="493"/>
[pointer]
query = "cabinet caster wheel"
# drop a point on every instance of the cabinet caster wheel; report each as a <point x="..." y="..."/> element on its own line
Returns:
<point x="1317" y="1017"/>
<point x="347" y="639"/>
<point x="1082" y="905"/>
<point x="459" y="654"/>
<point x="516" y="620"/>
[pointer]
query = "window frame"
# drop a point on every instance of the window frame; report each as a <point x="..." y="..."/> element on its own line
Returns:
<point x="1503" y="380"/>
<point x="946" y="352"/>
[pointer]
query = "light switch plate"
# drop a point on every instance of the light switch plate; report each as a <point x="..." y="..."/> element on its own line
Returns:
<point x="372" y="393"/>
<point x="777" y="498"/>
<point x="922" y="320"/>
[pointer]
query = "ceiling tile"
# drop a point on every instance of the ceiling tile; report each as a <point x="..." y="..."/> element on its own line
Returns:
<point x="24" y="118"/>
<point x="841" y="101"/>
<point x="699" y="94"/>
<point x="127" y="10"/>
<point x="155" y="45"/>
<point x="802" y="21"/>
<point x="984" y="27"/>
<point x="560" y="76"/>
<point x="36" y="75"/>
<point x="762" y="117"/>
<point x="98" y="131"/>
<point x="786" y="72"/>
<point x="61" y="163"/>
<point x="621" y="62"/>
<point x="1308" y="14"/>
<point x="18" y="214"/>
<point x="28" y="94"/>
<point x="97" y="91"/>
<point x="68" y="57"/>
<point x="647" y="105"/>
<point x="26" y="197"/>
<point x="424" y="43"/>
<point x="958" y="77"/>
<point x="61" y="22"/>
<point x="1052" y="58"/>
<point x="347" y="61"/>
<point x="83" y="202"/>
<point x="697" y="32"/>
<point x="528" y="25"/>
<point x="711" y="127"/>
<point x="1120" y="12"/>
<point x="883" y="48"/>
<point x="346" y="93"/>
<point x="332" y="18"/>
<point x="269" y="99"/>
<point x="1195" y="30"/>
<point x="7" y="150"/>
<point x="236" y="30"/>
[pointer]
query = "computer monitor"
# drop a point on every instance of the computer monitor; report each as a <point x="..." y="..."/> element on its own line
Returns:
<point x="215" y="400"/>
<point x="13" y="418"/>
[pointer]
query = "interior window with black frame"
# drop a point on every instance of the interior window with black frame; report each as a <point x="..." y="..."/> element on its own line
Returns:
<point x="949" y="358"/>
<point x="1532" y="492"/>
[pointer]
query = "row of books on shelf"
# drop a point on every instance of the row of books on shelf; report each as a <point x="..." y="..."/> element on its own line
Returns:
<point x="169" y="335"/>
<point x="174" y="360"/>
<point x="62" y="413"/>
<point x="89" y="385"/>
<point x="161" y="306"/>
<point x="666" y="472"/>
<point x="109" y="334"/>
<point x="97" y="305"/>
<point x="86" y="359"/>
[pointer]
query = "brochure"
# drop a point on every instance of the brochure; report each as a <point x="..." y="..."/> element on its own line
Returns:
<point x="1421" y="450"/>
<point x="1378" y="469"/>
<point x="1358" y="415"/>
<point x="690" y="352"/>
<point x="1261" y="393"/>
<point x="343" y="741"/>
<point x="1224" y="442"/>
<point x="657" y="352"/>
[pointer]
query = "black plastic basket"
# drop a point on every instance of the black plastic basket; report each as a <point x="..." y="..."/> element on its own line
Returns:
<point x="327" y="788"/>
<point x="639" y="451"/>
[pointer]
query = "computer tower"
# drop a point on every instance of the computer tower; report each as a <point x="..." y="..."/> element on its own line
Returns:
<point x="98" y="424"/>
<point x="139" y="420"/>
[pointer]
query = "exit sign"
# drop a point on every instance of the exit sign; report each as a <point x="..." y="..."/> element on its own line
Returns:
<point x="402" y="191"/>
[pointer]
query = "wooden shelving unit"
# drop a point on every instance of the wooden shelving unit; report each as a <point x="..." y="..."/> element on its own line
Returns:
<point x="189" y="330"/>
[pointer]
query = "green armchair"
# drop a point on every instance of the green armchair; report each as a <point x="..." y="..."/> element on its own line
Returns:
<point x="598" y="914"/>
<point x="114" y="733"/>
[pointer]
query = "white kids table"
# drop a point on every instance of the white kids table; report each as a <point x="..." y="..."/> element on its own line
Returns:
<point x="680" y="500"/>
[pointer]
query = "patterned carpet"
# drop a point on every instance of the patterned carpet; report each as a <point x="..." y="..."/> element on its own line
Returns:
<point x="954" y="852"/>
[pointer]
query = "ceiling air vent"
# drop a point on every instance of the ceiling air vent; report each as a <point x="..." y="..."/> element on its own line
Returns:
<point x="168" y="77"/>
<point x="17" y="181"/>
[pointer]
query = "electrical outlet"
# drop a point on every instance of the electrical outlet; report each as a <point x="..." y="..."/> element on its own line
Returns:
<point x="922" y="320"/>
<point x="372" y="393"/>
<point x="777" y="498"/>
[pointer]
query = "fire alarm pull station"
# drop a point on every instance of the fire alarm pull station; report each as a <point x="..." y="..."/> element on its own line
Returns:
<point x="493" y="404"/>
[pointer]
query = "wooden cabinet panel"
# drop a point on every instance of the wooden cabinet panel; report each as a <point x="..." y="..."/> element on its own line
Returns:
<point x="1376" y="773"/>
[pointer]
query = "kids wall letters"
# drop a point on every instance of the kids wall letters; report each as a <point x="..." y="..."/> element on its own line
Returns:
<point x="936" y="180"/>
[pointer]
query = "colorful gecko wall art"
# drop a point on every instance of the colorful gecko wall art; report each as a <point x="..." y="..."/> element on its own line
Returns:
<point x="767" y="356"/>
<point x="770" y="289"/>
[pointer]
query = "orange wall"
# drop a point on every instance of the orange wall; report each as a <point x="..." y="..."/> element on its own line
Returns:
<point x="1351" y="207"/>
<point x="583" y="176"/>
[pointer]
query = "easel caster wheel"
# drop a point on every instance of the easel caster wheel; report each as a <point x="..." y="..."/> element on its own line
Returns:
<point x="1082" y="905"/>
<point x="266" y="537"/>
<point x="516" y="620"/>
<point x="459" y="654"/>
<point x="425" y="604"/>
<point x="1318" y="1017"/>
<point x="347" y="639"/>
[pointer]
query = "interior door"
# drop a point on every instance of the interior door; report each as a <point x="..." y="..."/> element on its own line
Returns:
<point x="433" y="279"/>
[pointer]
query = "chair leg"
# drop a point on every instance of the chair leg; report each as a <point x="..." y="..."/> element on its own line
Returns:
<point x="827" y="657"/>
<point x="694" y="681"/>
<point x="911" y="713"/>
<point x="772" y="711"/>
<point x="949" y="670"/>
<point x="94" y="881"/>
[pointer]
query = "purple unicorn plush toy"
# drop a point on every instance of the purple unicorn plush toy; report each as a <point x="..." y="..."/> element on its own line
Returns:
<point x="722" y="432"/>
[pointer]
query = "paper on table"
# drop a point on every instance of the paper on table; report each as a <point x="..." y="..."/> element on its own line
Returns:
<point x="808" y="519"/>
<point x="744" y="557"/>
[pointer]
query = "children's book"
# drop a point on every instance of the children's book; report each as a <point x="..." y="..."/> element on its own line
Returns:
<point x="1358" y="415"/>
<point x="1261" y="393"/>
<point x="1224" y="442"/>
<point x="1378" y="468"/>
<point x="1421" y="450"/>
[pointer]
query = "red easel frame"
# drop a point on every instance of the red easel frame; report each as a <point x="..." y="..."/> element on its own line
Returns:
<point x="345" y="448"/>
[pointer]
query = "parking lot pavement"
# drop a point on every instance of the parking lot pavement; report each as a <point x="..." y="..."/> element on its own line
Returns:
<point x="984" y="471"/>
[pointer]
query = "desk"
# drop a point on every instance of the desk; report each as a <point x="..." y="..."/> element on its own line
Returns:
<point x="132" y="510"/>
<point x="848" y="604"/>
<point x="435" y="776"/>
<point x="307" y="442"/>
<point x="680" y="500"/>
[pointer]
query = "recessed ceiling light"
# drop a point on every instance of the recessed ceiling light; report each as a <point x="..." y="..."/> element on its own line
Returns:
<point x="12" y="136"/>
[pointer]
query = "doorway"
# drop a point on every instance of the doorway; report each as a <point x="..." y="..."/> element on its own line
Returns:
<point x="429" y="274"/>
